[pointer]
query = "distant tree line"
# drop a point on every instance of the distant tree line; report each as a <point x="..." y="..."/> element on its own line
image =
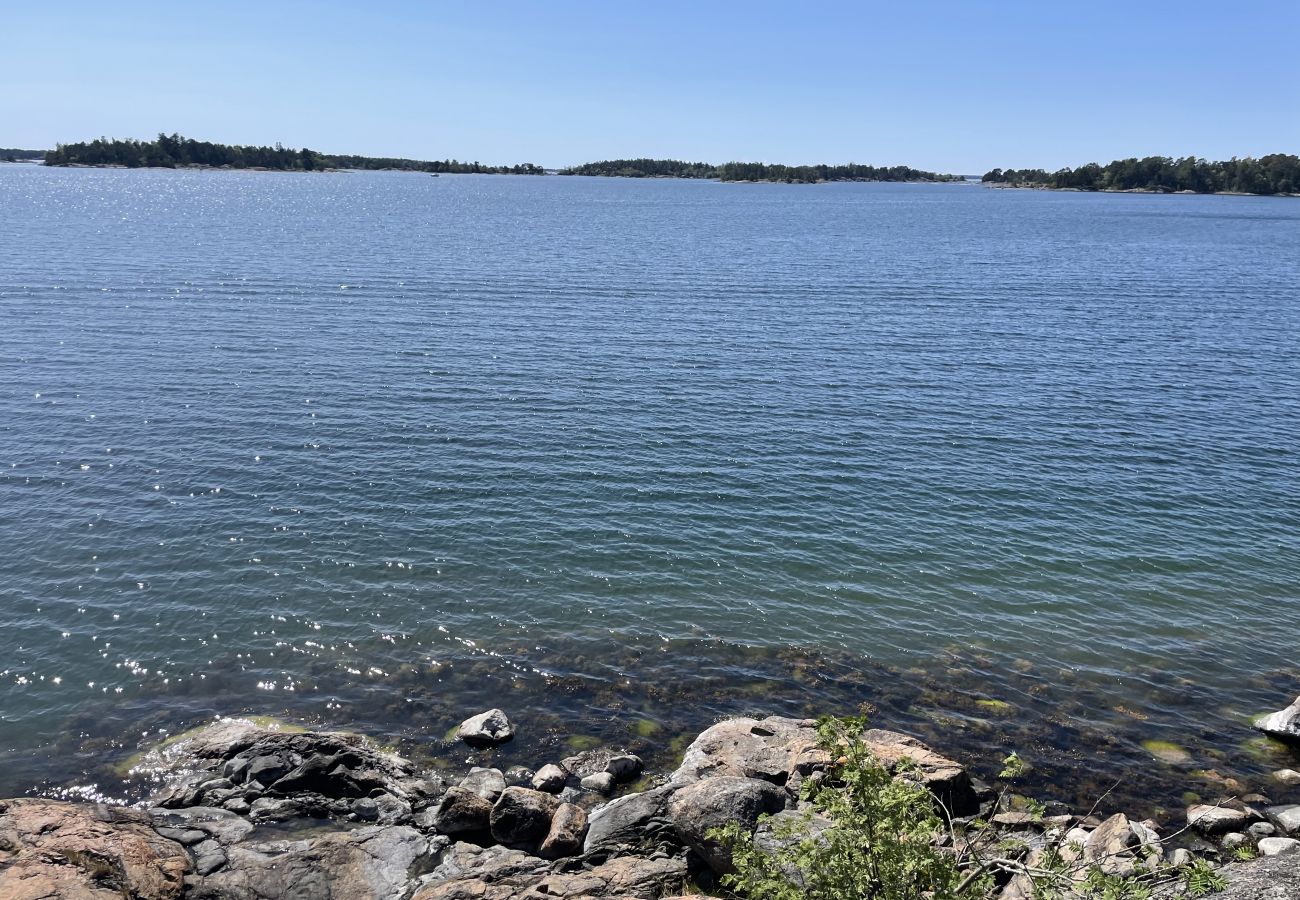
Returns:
<point x="172" y="151"/>
<point x="9" y="154"/>
<point x="737" y="171"/>
<point x="645" y="168"/>
<point x="1274" y="174"/>
<point x="450" y="166"/>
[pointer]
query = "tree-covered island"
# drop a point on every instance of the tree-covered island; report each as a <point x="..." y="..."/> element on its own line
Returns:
<point x="173" y="151"/>
<point x="1277" y="173"/>
<point x="11" y="154"/>
<point x="738" y="171"/>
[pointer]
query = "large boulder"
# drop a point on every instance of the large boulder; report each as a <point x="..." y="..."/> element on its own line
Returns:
<point x="948" y="780"/>
<point x="522" y="816"/>
<point x="768" y="749"/>
<point x="369" y="863"/>
<point x="487" y="729"/>
<point x="630" y="824"/>
<point x="1283" y="724"/>
<point x="698" y="808"/>
<point x="51" y="850"/>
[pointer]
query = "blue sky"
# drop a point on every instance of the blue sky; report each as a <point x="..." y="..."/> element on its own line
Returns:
<point x="950" y="86"/>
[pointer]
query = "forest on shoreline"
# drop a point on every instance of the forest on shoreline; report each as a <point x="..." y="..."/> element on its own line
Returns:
<point x="740" y="171"/>
<point x="174" y="151"/>
<point x="1277" y="173"/>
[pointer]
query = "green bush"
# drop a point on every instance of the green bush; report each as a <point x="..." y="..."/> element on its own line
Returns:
<point x="879" y="846"/>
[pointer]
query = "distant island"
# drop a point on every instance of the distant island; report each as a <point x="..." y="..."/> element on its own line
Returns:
<point x="1277" y="173"/>
<point x="173" y="151"/>
<point x="738" y="171"/>
<point x="9" y="154"/>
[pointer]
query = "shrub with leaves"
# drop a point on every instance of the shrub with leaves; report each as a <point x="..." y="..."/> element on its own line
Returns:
<point x="879" y="843"/>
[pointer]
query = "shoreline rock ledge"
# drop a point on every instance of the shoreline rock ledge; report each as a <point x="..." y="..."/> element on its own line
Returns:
<point x="247" y="811"/>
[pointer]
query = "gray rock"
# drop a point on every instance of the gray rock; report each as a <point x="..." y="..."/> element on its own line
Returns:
<point x="462" y="812"/>
<point x="391" y="810"/>
<point x="589" y="762"/>
<point x="1121" y="847"/>
<point x="487" y="729"/>
<point x="1234" y="839"/>
<point x="1181" y="858"/>
<point x="1288" y="777"/>
<point x="550" y="778"/>
<point x="568" y="829"/>
<point x="519" y="776"/>
<point x="487" y="783"/>
<point x="237" y="805"/>
<point x="1283" y="724"/>
<point x="629" y="824"/>
<point x="365" y="809"/>
<point x="369" y="863"/>
<point x="1261" y="830"/>
<point x="1276" y="846"/>
<point x="522" y="817"/>
<point x="270" y="809"/>
<point x="715" y="802"/>
<point x="267" y="770"/>
<point x="221" y="825"/>
<point x="624" y="767"/>
<point x="474" y="873"/>
<point x="1286" y="817"/>
<point x="1218" y="819"/>
<point x="208" y="857"/>
<point x="599" y="783"/>
<point x="1266" y="878"/>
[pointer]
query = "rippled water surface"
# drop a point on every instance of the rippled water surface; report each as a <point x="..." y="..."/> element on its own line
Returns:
<point x="371" y="450"/>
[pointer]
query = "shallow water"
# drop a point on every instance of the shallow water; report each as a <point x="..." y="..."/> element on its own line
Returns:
<point x="373" y="450"/>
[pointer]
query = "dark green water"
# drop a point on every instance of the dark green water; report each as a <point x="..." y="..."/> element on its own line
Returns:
<point x="374" y="450"/>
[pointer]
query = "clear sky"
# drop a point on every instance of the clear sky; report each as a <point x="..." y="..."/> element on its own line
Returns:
<point x="951" y="86"/>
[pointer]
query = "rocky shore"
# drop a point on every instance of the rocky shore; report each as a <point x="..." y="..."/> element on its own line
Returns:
<point x="244" y="810"/>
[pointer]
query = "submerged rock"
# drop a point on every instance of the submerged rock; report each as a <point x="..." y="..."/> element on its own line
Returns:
<point x="487" y="729"/>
